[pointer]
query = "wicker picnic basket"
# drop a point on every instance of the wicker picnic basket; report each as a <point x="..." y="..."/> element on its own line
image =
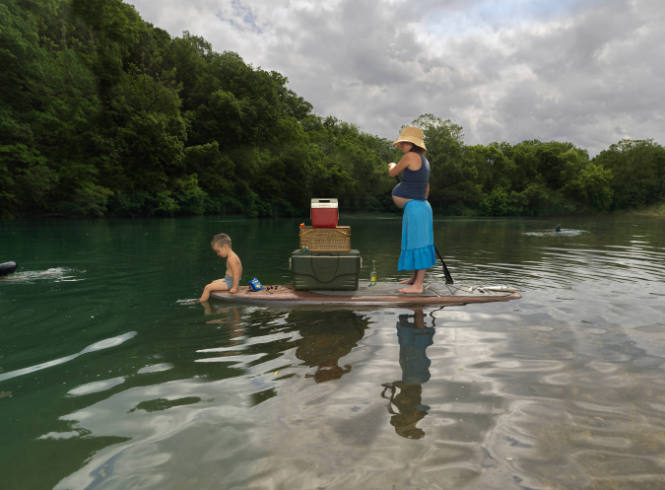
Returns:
<point x="336" y="239"/>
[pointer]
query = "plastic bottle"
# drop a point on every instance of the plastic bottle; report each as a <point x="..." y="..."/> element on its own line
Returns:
<point x="372" y="275"/>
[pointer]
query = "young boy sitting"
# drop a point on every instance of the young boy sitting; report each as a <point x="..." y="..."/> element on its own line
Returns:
<point x="221" y="244"/>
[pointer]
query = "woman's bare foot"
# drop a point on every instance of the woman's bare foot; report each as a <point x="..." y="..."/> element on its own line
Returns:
<point x="416" y="283"/>
<point x="408" y="281"/>
<point x="412" y="290"/>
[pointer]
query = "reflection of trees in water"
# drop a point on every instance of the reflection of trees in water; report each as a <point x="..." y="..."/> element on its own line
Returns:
<point x="405" y="396"/>
<point x="326" y="338"/>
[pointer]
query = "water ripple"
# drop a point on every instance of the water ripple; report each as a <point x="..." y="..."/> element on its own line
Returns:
<point x="102" y="344"/>
<point x="561" y="389"/>
<point x="53" y="274"/>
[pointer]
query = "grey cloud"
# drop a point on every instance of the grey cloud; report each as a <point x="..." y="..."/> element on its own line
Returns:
<point x="584" y="71"/>
<point x="576" y="63"/>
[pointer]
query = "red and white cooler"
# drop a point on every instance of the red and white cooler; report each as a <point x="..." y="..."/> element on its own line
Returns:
<point x="324" y="212"/>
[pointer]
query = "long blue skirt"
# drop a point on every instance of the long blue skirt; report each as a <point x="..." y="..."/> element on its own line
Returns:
<point x="417" y="237"/>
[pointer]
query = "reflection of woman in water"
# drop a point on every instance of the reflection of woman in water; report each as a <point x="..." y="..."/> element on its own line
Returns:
<point x="414" y="338"/>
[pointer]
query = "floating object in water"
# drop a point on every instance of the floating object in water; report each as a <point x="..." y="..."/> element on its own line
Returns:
<point x="558" y="228"/>
<point x="7" y="268"/>
<point x="382" y="293"/>
<point x="558" y="232"/>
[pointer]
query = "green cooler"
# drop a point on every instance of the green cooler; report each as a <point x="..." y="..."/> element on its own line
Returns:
<point x="333" y="271"/>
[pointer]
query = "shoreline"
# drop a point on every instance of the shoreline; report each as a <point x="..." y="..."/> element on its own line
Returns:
<point x="655" y="210"/>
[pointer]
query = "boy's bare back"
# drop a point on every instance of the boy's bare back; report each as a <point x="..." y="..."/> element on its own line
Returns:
<point x="221" y="244"/>
<point x="233" y="269"/>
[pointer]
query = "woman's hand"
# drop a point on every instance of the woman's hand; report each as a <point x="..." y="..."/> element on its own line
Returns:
<point x="391" y="166"/>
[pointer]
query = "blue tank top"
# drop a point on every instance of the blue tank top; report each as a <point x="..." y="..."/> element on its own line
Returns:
<point x="414" y="184"/>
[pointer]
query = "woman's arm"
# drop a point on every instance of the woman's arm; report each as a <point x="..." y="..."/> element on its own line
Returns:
<point x="405" y="161"/>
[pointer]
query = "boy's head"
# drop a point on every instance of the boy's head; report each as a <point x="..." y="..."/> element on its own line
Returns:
<point x="221" y="244"/>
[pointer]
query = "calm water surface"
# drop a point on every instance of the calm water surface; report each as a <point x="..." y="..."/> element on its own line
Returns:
<point x="111" y="377"/>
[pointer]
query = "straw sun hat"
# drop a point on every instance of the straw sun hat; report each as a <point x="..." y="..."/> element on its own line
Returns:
<point x="412" y="135"/>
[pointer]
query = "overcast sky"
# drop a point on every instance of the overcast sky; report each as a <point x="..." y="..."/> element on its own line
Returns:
<point x="586" y="71"/>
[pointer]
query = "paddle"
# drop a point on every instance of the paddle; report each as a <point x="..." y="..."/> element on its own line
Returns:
<point x="446" y="272"/>
<point x="449" y="278"/>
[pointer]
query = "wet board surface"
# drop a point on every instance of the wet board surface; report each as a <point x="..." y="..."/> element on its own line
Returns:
<point x="383" y="293"/>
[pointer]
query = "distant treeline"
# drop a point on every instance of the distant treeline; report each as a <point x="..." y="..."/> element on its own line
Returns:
<point x="103" y="114"/>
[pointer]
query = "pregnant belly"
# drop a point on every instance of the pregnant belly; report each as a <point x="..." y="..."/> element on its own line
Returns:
<point x="400" y="201"/>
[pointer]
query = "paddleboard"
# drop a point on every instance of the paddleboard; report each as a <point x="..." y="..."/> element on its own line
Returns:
<point x="382" y="293"/>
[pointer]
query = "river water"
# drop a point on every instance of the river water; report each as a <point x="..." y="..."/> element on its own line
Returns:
<point x="111" y="376"/>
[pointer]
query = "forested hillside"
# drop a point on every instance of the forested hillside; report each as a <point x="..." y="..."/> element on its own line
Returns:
<point x="103" y="114"/>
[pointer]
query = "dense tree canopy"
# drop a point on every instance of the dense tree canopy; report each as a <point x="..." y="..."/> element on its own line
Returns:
<point x="103" y="114"/>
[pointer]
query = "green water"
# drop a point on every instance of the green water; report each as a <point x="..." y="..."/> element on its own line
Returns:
<point x="112" y="377"/>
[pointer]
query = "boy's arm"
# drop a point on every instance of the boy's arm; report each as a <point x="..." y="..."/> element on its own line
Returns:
<point x="236" y="272"/>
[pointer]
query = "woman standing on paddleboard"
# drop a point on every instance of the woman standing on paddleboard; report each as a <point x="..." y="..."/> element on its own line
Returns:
<point x="411" y="194"/>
